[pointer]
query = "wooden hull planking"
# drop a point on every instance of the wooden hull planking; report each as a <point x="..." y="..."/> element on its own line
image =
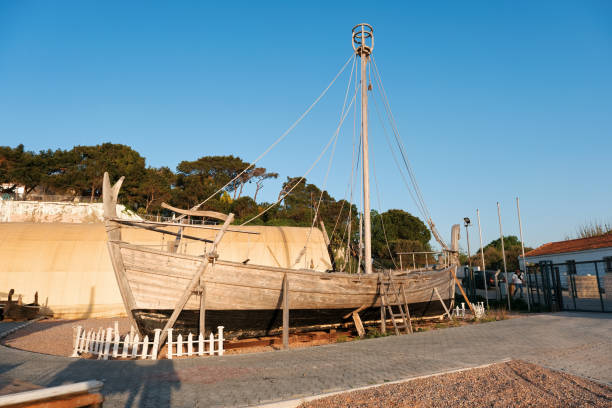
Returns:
<point x="246" y="299"/>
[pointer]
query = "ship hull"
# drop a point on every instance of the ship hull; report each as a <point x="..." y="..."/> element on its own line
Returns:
<point x="247" y="299"/>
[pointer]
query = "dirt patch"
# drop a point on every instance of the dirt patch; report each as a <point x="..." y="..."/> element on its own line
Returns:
<point x="56" y="336"/>
<point x="511" y="384"/>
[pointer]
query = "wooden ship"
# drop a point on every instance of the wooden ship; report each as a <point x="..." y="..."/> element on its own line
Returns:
<point x="164" y="288"/>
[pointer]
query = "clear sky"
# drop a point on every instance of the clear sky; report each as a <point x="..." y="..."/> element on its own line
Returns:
<point x="493" y="99"/>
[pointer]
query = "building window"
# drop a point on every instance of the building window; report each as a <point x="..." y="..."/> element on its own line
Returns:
<point x="608" y="263"/>
<point x="571" y="267"/>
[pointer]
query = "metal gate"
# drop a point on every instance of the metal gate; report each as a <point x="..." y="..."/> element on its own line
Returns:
<point x="574" y="286"/>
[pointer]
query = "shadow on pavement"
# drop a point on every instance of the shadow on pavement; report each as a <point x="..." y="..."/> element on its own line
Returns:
<point x="126" y="383"/>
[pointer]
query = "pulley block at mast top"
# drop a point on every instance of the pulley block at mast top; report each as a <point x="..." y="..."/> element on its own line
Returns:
<point x="363" y="39"/>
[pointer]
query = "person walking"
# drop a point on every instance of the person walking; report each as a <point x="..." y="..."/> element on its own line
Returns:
<point x="517" y="282"/>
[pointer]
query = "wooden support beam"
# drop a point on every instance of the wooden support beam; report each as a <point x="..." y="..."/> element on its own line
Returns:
<point x="358" y="325"/>
<point x="452" y="271"/>
<point x="285" y="312"/>
<point x="359" y="309"/>
<point x="442" y="301"/>
<point x="195" y="213"/>
<point x="163" y="231"/>
<point x="194" y="282"/>
<point x="407" y="307"/>
<point x="202" y="307"/>
<point x="146" y="224"/>
<point x="383" y="319"/>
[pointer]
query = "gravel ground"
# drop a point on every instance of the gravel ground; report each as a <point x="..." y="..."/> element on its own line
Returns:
<point x="56" y="336"/>
<point x="512" y="384"/>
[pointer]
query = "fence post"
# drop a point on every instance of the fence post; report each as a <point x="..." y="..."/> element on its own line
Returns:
<point x="200" y="345"/>
<point x="126" y="346"/>
<point x="135" y="346"/>
<point x="220" y="340"/>
<point x="190" y="345"/>
<point x="169" y="352"/>
<point x="116" y="342"/>
<point x="76" y="342"/>
<point x="211" y="344"/>
<point x="573" y="288"/>
<point x="82" y="342"/>
<point x="100" y="344"/>
<point x="145" y="347"/>
<point x="107" y="343"/>
<point x="598" y="287"/>
<point x="179" y="345"/>
<point x="155" y="344"/>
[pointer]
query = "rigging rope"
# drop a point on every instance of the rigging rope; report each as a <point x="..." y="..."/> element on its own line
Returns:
<point x="277" y="141"/>
<point x="331" y="158"/>
<point x="382" y="222"/>
<point x="405" y="159"/>
<point x="301" y="178"/>
<point x="399" y="168"/>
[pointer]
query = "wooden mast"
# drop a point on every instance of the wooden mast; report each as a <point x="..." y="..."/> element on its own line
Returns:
<point x="363" y="34"/>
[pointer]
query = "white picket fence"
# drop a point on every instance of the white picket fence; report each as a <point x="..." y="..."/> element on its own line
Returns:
<point x="187" y="347"/>
<point x="479" y="310"/>
<point x="107" y="343"/>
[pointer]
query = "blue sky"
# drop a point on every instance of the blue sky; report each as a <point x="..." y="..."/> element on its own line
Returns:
<point x="492" y="99"/>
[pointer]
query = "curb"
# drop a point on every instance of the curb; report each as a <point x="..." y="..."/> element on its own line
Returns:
<point x="21" y="326"/>
<point x="296" y="402"/>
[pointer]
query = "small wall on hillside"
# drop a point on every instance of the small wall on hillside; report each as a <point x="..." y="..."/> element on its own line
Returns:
<point x="64" y="212"/>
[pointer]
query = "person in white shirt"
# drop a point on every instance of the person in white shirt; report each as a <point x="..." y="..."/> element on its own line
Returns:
<point x="517" y="282"/>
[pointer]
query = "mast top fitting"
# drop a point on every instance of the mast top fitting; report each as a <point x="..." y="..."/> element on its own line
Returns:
<point x="363" y="39"/>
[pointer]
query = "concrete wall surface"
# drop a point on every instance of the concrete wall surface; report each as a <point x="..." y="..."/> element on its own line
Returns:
<point x="68" y="263"/>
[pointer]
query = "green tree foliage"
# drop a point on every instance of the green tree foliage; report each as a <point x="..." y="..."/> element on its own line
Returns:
<point x="493" y="254"/>
<point x="404" y="233"/>
<point x="79" y="171"/>
<point x="85" y="166"/>
<point x="155" y="188"/>
<point x="197" y="180"/>
<point x="32" y="170"/>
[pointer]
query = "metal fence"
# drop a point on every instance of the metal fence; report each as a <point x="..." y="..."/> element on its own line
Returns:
<point x="575" y="286"/>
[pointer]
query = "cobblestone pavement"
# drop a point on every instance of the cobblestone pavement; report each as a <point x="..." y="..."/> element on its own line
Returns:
<point x="578" y="343"/>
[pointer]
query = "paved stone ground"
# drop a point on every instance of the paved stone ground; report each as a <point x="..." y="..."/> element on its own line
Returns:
<point x="579" y="343"/>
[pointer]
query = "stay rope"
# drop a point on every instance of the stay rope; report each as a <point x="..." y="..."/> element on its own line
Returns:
<point x="282" y="197"/>
<point x="401" y="148"/>
<point x="329" y="164"/>
<point x="277" y="141"/>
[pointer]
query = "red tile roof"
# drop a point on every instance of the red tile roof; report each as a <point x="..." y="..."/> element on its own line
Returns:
<point x="572" y="245"/>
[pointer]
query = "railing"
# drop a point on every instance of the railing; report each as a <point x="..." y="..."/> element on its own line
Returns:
<point x="186" y="220"/>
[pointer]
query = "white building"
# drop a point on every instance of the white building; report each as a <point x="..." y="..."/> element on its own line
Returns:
<point x="575" y="255"/>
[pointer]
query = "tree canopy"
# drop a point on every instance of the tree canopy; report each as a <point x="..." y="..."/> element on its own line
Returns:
<point x="79" y="171"/>
<point x="493" y="254"/>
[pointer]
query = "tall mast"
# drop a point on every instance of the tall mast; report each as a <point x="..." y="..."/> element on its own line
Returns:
<point x="363" y="43"/>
